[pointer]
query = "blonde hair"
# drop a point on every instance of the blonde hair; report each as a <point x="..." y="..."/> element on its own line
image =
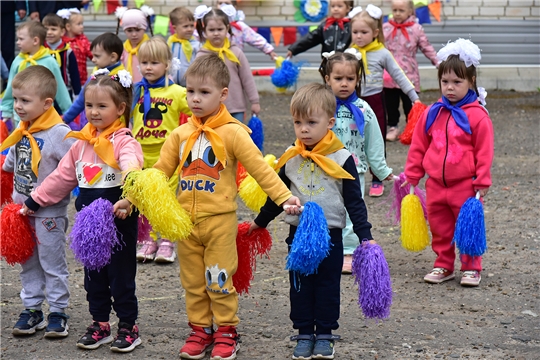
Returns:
<point x="35" y="29"/>
<point x="156" y="49"/>
<point x="180" y="13"/>
<point x="210" y="67"/>
<point x="37" y="79"/>
<point x="310" y="98"/>
<point x="374" y="24"/>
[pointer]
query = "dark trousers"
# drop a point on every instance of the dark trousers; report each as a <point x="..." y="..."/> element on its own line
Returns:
<point x="377" y="104"/>
<point x="117" y="279"/>
<point x="8" y="37"/>
<point x="392" y="96"/>
<point x="315" y="299"/>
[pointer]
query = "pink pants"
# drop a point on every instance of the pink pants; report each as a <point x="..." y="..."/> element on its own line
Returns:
<point x="443" y="205"/>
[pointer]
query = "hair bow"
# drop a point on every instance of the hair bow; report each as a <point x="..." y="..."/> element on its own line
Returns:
<point x="240" y="16"/>
<point x="175" y="65"/>
<point x="374" y="11"/>
<point x="147" y="10"/>
<point x="354" y="52"/>
<point x="120" y="11"/>
<point x="229" y="10"/>
<point x="468" y="52"/>
<point x="482" y="94"/>
<point x="98" y="72"/>
<point x="124" y="78"/>
<point x="201" y="11"/>
<point x="64" y="13"/>
<point x="357" y="10"/>
<point x="327" y="55"/>
<point x="74" y="10"/>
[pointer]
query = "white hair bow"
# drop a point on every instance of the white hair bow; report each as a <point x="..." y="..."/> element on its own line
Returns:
<point x="229" y="10"/>
<point x="175" y="65"/>
<point x="327" y="55"/>
<point x="147" y="10"/>
<point x="64" y="13"/>
<point x="468" y="52"/>
<point x="482" y="94"/>
<point x="374" y="11"/>
<point x="124" y="77"/>
<point x="201" y="11"/>
<point x="357" y="10"/>
<point x="354" y="52"/>
<point x="240" y="16"/>
<point x="74" y="10"/>
<point x="103" y="71"/>
<point x="120" y="11"/>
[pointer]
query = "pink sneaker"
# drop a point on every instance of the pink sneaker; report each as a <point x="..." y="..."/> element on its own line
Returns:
<point x="376" y="190"/>
<point x="439" y="275"/>
<point x="166" y="252"/>
<point x="147" y="252"/>
<point x="471" y="278"/>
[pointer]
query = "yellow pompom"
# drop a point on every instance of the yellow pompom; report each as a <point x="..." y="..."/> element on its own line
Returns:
<point x="281" y="90"/>
<point x="279" y="61"/>
<point x="155" y="200"/>
<point x="251" y="193"/>
<point x="414" y="231"/>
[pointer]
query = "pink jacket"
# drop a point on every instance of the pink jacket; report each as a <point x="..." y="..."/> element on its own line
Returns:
<point x="127" y="152"/>
<point x="448" y="154"/>
<point x="404" y="51"/>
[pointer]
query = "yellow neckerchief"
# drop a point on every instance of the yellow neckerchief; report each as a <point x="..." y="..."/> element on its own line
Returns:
<point x="221" y="118"/>
<point x="329" y="144"/>
<point x="372" y="46"/>
<point x="113" y="71"/>
<point x="56" y="53"/>
<point x="186" y="45"/>
<point x="102" y="145"/>
<point x="46" y="121"/>
<point x="31" y="59"/>
<point x="133" y="52"/>
<point x="225" y="49"/>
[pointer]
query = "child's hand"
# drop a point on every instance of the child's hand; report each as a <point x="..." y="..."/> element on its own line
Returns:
<point x="417" y="101"/>
<point x="273" y="55"/>
<point x="404" y="183"/>
<point x="26" y="211"/>
<point x="122" y="208"/>
<point x="255" y="109"/>
<point x="483" y="192"/>
<point x="389" y="177"/>
<point x="372" y="242"/>
<point x="289" y="55"/>
<point x="294" y="207"/>
<point x="252" y="227"/>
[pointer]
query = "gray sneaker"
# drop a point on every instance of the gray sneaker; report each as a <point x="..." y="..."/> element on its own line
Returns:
<point x="304" y="346"/>
<point x="324" y="346"/>
<point x="29" y="321"/>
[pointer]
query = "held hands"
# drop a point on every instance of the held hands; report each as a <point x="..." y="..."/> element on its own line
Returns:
<point x="255" y="109"/>
<point x="122" y="208"/>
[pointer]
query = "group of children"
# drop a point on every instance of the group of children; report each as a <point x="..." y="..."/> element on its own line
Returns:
<point x="134" y="101"/>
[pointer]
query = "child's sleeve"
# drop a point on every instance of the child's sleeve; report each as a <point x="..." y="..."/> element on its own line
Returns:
<point x="129" y="153"/>
<point x="246" y="77"/>
<point x="85" y="45"/>
<point x="395" y="71"/>
<point x="311" y="39"/>
<point x="482" y="139"/>
<point x="169" y="156"/>
<point x="414" y="171"/>
<point x="9" y="163"/>
<point x="374" y="146"/>
<point x="354" y="203"/>
<point x="7" y="100"/>
<point x="271" y="210"/>
<point x="62" y="95"/>
<point x="425" y="46"/>
<point x="76" y="108"/>
<point x="254" y="39"/>
<point x="74" y="76"/>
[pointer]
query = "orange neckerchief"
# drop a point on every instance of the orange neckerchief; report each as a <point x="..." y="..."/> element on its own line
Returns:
<point x="133" y="52"/>
<point x="186" y="45"/>
<point x="32" y="59"/>
<point x="329" y="144"/>
<point x="102" y="145"/>
<point x="46" y="121"/>
<point x="223" y="51"/>
<point x="372" y="46"/>
<point x="221" y="118"/>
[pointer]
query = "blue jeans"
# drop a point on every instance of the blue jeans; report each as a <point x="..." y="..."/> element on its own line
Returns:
<point x="238" y="116"/>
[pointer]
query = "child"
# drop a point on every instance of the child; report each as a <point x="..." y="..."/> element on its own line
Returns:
<point x="74" y="24"/>
<point x="403" y="37"/>
<point x="38" y="148"/>
<point x="333" y="34"/>
<point x="356" y="126"/>
<point x="213" y="27"/>
<point x="104" y="143"/>
<point x="30" y="39"/>
<point x="243" y="33"/>
<point x="183" y="45"/>
<point x="367" y="37"/>
<point x="318" y="157"/>
<point x="453" y="144"/>
<point x="157" y="106"/>
<point x="106" y="49"/>
<point x="134" y="23"/>
<point x="61" y="51"/>
<point x="208" y="149"/>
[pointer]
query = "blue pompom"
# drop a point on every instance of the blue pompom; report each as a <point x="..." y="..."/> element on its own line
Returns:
<point x="75" y="192"/>
<point x="257" y="131"/>
<point x="286" y="75"/>
<point x="470" y="232"/>
<point x="311" y="243"/>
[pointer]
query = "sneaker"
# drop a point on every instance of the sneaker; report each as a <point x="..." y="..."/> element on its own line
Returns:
<point x="376" y="190"/>
<point x="324" y="346"/>
<point x="304" y="346"/>
<point x="392" y="134"/>
<point x="147" y="252"/>
<point x="127" y="338"/>
<point x="439" y="275"/>
<point x="58" y="326"/>
<point x="347" y="265"/>
<point x="29" y="321"/>
<point x="166" y="252"/>
<point x="471" y="278"/>
<point x="225" y="343"/>
<point x="96" y="335"/>
<point x="197" y="343"/>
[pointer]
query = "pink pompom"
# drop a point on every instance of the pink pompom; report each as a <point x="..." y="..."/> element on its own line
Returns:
<point x="18" y="236"/>
<point x="398" y="193"/>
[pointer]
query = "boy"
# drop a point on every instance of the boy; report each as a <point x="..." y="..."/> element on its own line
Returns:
<point x="183" y="45"/>
<point x="30" y="39"/>
<point x="208" y="149"/>
<point x="61" y="51"/>
<point x="38" y="147"/>
<point x="106" y="50"/>
<point x="319" y="158"/>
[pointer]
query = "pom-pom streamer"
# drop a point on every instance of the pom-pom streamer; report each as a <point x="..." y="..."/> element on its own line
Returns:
<point x="414" y="231"/>
<point x="241" y="174"/>
<point x="250" y="191"/>
<point x="18" y="236"/>
<point x="144" y="228"/>
<point x="286" y="73"/>
<point x="398" y="193"/>
<point x="257" y="131"/>
<point x="470" y="232"/>
<point x="6" y="183"/>
<point x="414" y="115"/>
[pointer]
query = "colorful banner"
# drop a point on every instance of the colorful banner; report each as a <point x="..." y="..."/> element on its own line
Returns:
<point x="276" y="31"/>
<point x="435" y="10"/>
<point x="422" y="13"/>
<point x="96" y="3"/>
<point x="265" y="33"/>
<point x="289" y="35"/>
<point x="161" y="25"/>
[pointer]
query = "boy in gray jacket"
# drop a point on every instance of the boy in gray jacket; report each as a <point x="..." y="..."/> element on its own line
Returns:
<point x="37" y="146"/>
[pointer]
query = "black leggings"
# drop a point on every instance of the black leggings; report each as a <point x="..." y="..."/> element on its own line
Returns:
<point x="392" y="97"/>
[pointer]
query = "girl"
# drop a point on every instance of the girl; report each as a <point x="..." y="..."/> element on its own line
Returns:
<point x="453" y="144"/>
<point x="356" y="126"/>
<point x="134" y="23"/>
<point x="367" y="37"/>
<point x="157" y="106"/>
<point x="403" y="36"/>
<point x="213" y="27"/>
<point x="106" y="151"/>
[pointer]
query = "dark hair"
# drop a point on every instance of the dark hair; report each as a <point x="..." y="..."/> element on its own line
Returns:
<point x="36" y="78"/>
<point x="213" y="14"/>
<point x="349" y="3"/>
<point x="180" y="13"/>
<point x="327" y="65"/>
<point x="211" y="68"/>
<point x="453" y="63"/>
<point x="35" y="29"/>
<point x="110" y="43"/>
<point x="53" y="20"/>
<point x="117" y="92"/>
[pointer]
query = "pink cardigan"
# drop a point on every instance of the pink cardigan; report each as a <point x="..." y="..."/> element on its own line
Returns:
<point x="404" y="51"/>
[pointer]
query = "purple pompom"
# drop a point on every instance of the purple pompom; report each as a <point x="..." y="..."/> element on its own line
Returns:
<point x="94" y="234"/>
<point x="372" y="275"/>
<point x="398" y="193"/>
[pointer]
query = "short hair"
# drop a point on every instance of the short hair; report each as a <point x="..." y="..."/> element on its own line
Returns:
<point x="156" y="49"/>
<point x="213" y="14"/>
<point x="210" y="67"/>
<point x="373" y="23"/>
<point x="38" y="79"/>
<point x="180" y="13"/>
<point x="117" y="92"/>
<point x="53" y="20"/>
<point x="110" y="43"/>
<point x="455" y="64"/>
<point x="35" y="29"/>
<point x="311" y="97"/>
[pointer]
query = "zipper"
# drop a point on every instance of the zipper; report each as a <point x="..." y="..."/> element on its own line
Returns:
<point x="193" y="212"/>
<point x="335" y="37"/>
<point x="446" y="152"/>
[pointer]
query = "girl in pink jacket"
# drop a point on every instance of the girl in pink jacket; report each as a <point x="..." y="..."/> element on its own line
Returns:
<point x="403" y="37"/>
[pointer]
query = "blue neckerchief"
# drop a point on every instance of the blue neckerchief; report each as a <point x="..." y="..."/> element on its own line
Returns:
<point x="458" y="114"/>
<point x="111" y="67"/>
<point x="144" y="84"/>
<point x="355" y="111"/>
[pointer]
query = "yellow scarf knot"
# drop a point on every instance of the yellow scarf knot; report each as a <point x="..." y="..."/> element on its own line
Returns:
<point x="32" y="59"/>
<point x="133" y="52"/>
<point x="222" y="51"/>
<point x="186" y="45"/>
<point x="372" y="46"/>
